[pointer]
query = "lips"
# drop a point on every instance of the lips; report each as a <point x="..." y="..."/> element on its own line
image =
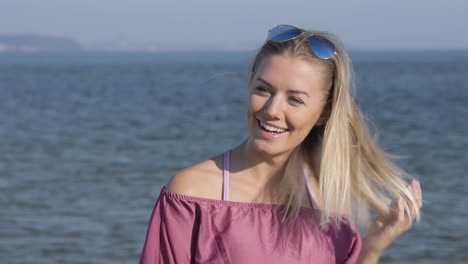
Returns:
<point x="270" y="128"/>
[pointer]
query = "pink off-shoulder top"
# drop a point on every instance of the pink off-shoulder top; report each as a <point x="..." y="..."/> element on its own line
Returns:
<point x="187" y="229"/>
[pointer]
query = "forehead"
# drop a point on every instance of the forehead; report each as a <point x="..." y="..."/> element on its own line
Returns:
<point x="288" y="72"/>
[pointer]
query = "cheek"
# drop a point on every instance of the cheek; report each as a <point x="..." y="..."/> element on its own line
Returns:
<point x="254" y="104"/>
<point x="304" y="121"/>
<point x="251" y="110"/>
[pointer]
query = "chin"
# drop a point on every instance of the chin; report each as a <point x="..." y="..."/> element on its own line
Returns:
<point x="268" y="148"/>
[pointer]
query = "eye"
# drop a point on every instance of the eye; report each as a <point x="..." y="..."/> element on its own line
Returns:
<point x="262" y="90"/>
<point x="296" y="101"/>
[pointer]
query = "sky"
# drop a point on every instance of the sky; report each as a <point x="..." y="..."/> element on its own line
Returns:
<point x="238" y="24"/>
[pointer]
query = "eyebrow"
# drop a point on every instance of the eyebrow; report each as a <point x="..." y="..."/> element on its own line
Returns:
<point x="291" y="91"/>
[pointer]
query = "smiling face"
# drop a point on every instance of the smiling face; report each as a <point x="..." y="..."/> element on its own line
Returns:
<point x="286" y="98"/>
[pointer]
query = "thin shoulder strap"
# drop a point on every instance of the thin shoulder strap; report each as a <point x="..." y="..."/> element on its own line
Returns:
<point x="309" y="188"/>
<point x="227" y="155"/>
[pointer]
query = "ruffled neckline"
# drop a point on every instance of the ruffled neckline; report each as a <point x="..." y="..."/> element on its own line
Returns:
<point x="184" y="197"/>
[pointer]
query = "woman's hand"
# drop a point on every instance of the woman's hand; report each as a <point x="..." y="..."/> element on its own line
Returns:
<point x="386" y="228"/>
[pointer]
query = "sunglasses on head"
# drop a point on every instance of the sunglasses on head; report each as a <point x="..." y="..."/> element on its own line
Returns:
<point x="320" y="46"/>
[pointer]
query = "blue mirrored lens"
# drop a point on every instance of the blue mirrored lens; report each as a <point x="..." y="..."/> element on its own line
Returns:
<point x="283" y="33"/>
<point x="322" y="47"/>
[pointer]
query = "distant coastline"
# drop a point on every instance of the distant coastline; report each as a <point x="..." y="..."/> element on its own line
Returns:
<point x="41" y="49"/>
<point x="32" y="43"/>
<point x="214" y="57"/>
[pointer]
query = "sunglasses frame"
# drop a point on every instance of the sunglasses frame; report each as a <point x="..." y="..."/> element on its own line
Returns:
<point x="308" y="39"/>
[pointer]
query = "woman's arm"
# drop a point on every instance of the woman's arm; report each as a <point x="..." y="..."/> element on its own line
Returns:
<point x="366" y="257"/>
<point x="386" y="228"/>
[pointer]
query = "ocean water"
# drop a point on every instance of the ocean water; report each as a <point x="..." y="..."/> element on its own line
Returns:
<point x="88" y="140"/>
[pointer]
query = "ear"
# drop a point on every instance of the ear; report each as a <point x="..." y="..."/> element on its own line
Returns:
<point x="321" y="121"/>
<point x="324" y="115"/>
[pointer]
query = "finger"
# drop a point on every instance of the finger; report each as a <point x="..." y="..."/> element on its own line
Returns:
<point x="411" y="189"/>
<point x="400" y="218"/>
<point x="415" y="189"/>
<point x="419" y="194"/>
<point x="400" y="211"/>
<point x="404" y="220"/>
<point x="394" y="206"/>
<point x="416" y="192"/>
<point x="391" y="215"/>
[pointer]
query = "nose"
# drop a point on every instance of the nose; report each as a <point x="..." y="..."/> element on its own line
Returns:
<point x="273" y="108"/>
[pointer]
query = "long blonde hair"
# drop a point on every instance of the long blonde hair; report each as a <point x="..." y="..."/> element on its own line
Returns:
<point x="354" y="172"/>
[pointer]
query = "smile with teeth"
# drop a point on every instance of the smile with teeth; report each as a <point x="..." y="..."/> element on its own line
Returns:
<point x="271" y="128"/>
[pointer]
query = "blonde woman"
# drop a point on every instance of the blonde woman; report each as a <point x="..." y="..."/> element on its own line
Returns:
<point x="295" y="189"/>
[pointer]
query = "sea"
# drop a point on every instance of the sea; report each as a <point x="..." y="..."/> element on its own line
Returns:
<point x="88" y="139"/>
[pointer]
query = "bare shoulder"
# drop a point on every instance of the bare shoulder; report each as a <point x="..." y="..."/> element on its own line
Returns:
<point x="204" y="179"/>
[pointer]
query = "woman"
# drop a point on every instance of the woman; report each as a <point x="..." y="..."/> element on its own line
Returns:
<point x="295" y="189"/>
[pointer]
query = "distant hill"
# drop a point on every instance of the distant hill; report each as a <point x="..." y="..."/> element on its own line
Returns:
<point x="36" y="43"/>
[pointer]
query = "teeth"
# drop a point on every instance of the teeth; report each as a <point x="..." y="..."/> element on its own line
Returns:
<point x="271" y="128"/>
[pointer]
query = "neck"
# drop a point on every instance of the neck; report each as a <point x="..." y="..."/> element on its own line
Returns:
<point x="262" y="167"/>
